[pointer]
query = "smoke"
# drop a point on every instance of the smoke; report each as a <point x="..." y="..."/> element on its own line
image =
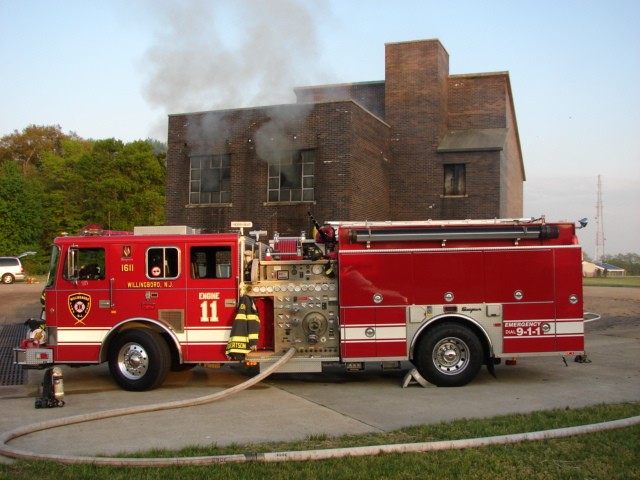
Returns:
<point x="214" y="55"/>
<point x="274" y="136"/>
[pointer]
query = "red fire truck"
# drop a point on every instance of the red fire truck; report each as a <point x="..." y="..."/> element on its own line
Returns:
<point x="448" y="296"/>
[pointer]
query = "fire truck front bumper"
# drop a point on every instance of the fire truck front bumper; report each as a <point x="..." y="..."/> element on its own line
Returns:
<point x="33" y="357"/>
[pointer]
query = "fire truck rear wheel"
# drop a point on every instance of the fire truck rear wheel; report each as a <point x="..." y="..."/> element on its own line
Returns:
<point x="139" y="360"/>
<point x="449" y="355"/>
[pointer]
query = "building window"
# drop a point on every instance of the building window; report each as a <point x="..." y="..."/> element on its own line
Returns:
<point x="455" y="180"/>
<point x="291" y="177"/>
<point x="210" y="179"/>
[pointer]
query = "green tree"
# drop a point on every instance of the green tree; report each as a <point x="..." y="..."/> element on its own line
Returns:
<point x="51" y="182"/>
<point x="20" y="211"/>
<point x="26" y="148"/>
<point x="159" y="148"/>
<point x="61" y="179"/>
<point x="123" y="185"/>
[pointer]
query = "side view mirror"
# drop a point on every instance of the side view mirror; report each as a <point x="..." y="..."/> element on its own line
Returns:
<point x="72" y="268"/>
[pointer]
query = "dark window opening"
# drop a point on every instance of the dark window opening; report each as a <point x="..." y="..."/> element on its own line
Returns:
<point x="210" y="179"/>
<point x="291" y="177"/>
<point x="455" y="179"/>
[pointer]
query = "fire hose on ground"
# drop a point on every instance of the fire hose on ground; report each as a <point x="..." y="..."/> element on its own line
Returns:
<point x="271" y="457"/>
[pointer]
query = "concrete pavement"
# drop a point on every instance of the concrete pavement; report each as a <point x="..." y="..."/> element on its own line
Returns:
<point x="294" y="406"/>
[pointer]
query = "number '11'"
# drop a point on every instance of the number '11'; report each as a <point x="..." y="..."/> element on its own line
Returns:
<point x="205" y="310"/>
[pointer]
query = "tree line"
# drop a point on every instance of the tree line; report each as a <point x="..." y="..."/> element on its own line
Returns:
<point x="53" y="183"/>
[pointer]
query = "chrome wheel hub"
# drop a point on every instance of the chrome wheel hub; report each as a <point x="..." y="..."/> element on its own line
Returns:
<point x="133" y="361"/>
<point x="450" y="356"/>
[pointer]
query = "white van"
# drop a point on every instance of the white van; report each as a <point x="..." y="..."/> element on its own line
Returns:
<point x="11" y="269"/>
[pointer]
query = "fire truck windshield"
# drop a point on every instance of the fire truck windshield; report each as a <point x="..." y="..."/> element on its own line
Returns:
<point x="53" y="266"/>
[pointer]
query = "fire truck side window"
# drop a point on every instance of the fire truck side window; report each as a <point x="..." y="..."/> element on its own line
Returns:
<point x="210" y="262"/>
<point x="85" y="264"/>
<point x="163" y="262"/>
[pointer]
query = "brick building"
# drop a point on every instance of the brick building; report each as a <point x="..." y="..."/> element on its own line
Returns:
<point x="419" y="144"/>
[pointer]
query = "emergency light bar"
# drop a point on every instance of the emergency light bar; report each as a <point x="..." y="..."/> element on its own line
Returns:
<point x="455" y="233"/>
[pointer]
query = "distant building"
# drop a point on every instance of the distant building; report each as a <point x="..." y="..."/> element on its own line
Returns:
<point x="419" y="144"/>
<point x="599" y="269"/>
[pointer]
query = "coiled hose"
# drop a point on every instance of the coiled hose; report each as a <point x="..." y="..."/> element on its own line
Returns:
<point x="270" y="457"/>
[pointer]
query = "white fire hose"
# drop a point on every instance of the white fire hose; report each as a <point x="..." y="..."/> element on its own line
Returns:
<point x="270" y="457"/>
<point x="591" y="317"/>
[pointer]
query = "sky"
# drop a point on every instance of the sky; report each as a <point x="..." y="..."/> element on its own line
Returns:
<point x="118" y="68"/>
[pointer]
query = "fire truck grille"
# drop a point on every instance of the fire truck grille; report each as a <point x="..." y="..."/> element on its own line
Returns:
<point x="10" y="337"/>
<point x="174" y="318"/>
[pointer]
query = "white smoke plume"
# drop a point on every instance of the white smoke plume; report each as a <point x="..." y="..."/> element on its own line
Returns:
<point x="219" y="54"/>
<point x="274" y="136"/>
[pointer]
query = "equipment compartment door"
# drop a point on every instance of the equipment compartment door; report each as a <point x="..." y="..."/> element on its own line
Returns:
<point x="374" y="333"/>
<point x="569" y="299"/>
<point x="523" y="282"/>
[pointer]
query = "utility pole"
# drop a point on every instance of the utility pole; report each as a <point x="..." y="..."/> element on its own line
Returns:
<point x="599" y="224"/>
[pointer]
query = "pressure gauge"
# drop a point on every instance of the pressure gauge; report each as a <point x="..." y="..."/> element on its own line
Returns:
<point x="317" y="269"/>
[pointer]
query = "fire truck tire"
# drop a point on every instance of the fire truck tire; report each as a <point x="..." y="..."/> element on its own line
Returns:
<point x="449" y="355"/>
<point x="139" y="360"/>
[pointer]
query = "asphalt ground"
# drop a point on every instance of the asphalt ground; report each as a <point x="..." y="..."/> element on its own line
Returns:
<point x="288" y="407"/>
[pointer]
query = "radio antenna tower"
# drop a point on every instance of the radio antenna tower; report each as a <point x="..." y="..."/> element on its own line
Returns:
<point x="599" y="224"/>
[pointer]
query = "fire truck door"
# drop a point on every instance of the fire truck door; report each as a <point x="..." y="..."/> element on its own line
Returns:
<point x="81" y="304"/>
<point x="211" y="301"/>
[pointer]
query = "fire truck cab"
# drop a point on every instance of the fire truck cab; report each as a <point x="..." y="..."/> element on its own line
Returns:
<point x="448" y="296"/>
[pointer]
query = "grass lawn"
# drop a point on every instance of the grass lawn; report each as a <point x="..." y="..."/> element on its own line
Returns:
<point x="607" y="455"/>
<point x="611" y="282"/>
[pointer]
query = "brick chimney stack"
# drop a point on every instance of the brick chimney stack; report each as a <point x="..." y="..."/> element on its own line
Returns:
<point x="416" y="108"/>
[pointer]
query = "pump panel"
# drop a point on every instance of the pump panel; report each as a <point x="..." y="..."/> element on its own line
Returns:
<point x="305" y="299"/>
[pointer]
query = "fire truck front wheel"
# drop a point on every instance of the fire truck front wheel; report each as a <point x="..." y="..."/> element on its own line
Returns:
<point x="139" y="360"/>
<point x="449" y="355"/>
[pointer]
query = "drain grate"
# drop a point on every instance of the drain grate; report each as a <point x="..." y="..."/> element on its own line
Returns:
<point x="10" y="337"/>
